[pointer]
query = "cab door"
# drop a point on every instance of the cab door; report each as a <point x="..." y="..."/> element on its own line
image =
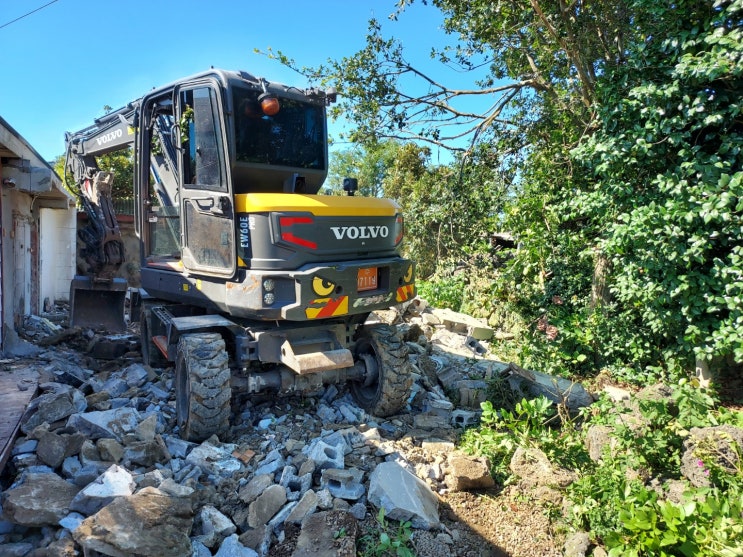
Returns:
<point x="207" y="210"/>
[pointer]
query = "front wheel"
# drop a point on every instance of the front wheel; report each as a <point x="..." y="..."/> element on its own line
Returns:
<point x="202" y="386"/>
<point x="385" y="389"/>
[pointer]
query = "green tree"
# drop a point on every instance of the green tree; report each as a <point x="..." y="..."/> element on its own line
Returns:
<point x="120" y="163"/>
<point x="667" y="160"/>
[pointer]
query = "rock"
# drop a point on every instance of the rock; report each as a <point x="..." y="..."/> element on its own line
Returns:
<point x="403" y="496"/>
<point x="468" y="473"/>
<point x="211" y="527"/>
<point x="146" y="523"/>
<point x="110" y="450"/>
<point x="257" y="485"/>
<point x="50" y="407"/>
<point x="41" y="500"/>
<point x="114" y="424"/>
<point x="214" y="460"/>
<point x="576" y="545"/>
<point x="114" y="482"/>
<point x="231" y="547"/>
<point x="305" y="507"/>
<point x="266" y="505"/>
<point x="147" y="453"/>
<point x="258" y="539"/>
<point x="54" y="448"/>
<point x="69" y="373"/>
<point x="535" y="469"/>
<point x="721" y="445"/>
<point x="19" y="549"/>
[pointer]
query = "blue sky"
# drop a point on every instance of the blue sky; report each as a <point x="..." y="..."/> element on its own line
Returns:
<point x="65" y="62"/>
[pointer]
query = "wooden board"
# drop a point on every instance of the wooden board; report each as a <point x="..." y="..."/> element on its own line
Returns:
<point x="18" y="385"/>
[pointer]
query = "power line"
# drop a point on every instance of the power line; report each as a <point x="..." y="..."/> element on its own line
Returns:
<point x="27" y="14"/>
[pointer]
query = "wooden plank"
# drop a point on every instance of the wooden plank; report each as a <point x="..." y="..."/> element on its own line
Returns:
<point x="18" y="386"/>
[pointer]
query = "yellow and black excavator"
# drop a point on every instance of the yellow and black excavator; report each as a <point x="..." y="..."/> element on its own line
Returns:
<point x="251" y="280"/>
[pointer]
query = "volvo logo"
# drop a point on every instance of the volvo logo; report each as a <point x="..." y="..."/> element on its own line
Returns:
<point x="360" y="232"/>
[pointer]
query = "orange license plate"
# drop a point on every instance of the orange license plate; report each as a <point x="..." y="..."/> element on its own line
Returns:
<point x="367" y="279"/>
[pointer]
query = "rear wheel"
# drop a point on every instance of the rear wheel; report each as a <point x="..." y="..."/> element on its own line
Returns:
<point x="385" y="389"/>
<point x="202" y="386"/>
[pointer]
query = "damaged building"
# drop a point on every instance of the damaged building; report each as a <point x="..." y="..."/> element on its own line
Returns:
<point x="37" y="238"/>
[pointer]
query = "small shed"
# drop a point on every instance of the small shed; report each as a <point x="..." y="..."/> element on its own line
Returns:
<point x="37" y="235"/>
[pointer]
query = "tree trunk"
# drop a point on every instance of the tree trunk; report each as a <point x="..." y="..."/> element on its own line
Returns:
<point x="599" y="290"/>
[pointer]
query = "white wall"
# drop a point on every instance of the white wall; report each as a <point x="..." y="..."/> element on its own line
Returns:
<point x="57" y="238"/>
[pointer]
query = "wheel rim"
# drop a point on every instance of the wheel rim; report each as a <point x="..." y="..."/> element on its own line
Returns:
<point x="367" y="390"/>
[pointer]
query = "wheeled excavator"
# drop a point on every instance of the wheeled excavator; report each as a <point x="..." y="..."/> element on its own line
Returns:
<point x="252" y="280"/>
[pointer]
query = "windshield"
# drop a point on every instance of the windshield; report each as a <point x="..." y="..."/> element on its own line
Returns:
<point x="293" y="137"/>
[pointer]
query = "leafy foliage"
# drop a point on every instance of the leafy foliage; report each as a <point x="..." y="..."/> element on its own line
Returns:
<point x="389" y="541"/>
<point x="667" y="161"/>
<point x="120" y="163"/>
<point x="620" y="499"/>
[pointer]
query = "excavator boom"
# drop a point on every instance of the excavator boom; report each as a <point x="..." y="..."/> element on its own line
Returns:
<point x="97" y="298"/>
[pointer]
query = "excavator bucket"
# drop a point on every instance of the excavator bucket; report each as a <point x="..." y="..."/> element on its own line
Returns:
<point x="98" y="304"/>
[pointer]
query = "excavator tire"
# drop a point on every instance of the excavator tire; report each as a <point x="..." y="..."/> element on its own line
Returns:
<point x="202" y="386"/>
<point x="151" y="355"/>
<point x="389" y="375"/>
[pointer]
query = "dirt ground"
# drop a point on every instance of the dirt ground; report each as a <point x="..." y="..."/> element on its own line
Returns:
<point x="490" y="524"/>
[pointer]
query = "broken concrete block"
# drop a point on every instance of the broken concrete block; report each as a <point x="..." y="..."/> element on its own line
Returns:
<point x="343" y="484"/>
<point x="403" y="496"/>
<point x="305" y="507"/>
<point x="266" y="505"/>
<point x="325" y="455"/>
<point x="464" y="324"/>
<point x="465" y="418"/>
<point x="472" y="393"/>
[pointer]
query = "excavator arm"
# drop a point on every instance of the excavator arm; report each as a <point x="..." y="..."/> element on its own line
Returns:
<point x="97" y="298"/>
<point x="102" y="248"/>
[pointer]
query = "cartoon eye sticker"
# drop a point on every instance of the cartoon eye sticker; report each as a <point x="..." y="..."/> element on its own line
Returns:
<point x="322" y="287"/>
<point x="408" y="274"/>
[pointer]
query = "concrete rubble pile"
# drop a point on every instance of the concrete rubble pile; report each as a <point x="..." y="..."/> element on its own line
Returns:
<point x="99" y="468"/>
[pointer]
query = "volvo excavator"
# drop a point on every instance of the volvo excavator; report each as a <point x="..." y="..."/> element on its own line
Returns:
<point x="252" y="280"/>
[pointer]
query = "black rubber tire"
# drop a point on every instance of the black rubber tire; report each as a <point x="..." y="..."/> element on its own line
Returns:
<point x="151" y="355"/>
<point x="389" y="380"/>
<point x="202" y="386"/>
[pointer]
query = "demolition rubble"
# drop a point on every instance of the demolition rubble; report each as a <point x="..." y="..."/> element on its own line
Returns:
<point x="99" y="468"/>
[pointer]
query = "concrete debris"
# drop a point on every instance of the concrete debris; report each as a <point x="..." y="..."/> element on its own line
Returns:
<point x="468" y="473"/>
<point x="404" y="496"/>
<point x="99" y="468"/>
